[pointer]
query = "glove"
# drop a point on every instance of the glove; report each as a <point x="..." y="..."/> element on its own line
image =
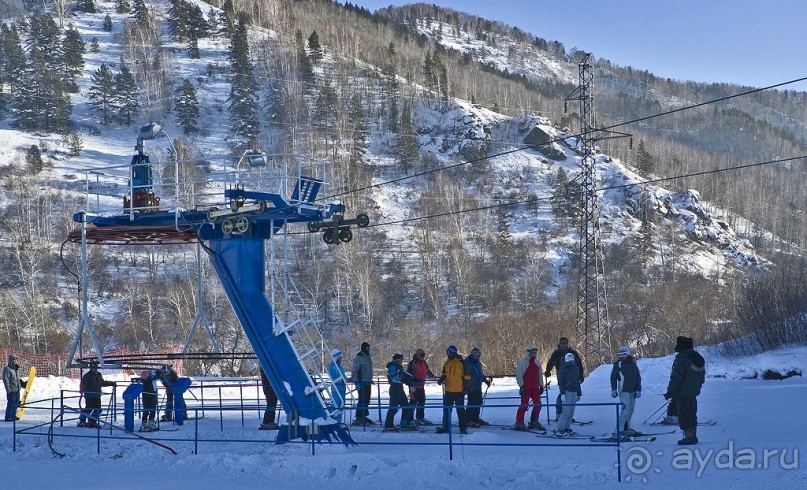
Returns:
<point x="521" y="391"/>
<point x="638" y="394"/>
<point x="614" y="394"/>
<point x="579" y="396"/>
<point x="563" y="398"/>
<point x="488" y="381"/>
<point x="667" y="395"/>
<point x="548" y="374"/>
<point x="441" y="380"/>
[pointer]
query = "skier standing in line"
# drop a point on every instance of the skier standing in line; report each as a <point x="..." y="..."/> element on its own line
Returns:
<point x="363" y="378"/>
<point x="474" y="369"/>
<point x="91" y="384"/>
<point x="626" y="384"/>
<point x="268" y="422"/>
<point x="569" y="386"/>
<point x="556" y="360"/>
<point x="339" y="378"/>
<point x="456" y="384"/>
<point x="530" y="386"/>
<point x="11" y="382"/>
<point x="168" y="377"/>
<point x="397" y="377"/>
<point x="419" y="369"/>
<point x="147" y="423"/>
<point x="686" y="378"/>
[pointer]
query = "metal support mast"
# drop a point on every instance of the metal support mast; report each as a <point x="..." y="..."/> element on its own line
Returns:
<point x="593" y="328"/>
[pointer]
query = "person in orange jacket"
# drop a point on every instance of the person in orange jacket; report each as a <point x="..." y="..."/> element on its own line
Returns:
<point x="456" y="385"/>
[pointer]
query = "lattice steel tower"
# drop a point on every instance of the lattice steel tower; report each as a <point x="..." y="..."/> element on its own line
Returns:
<point x="593" y="328"/>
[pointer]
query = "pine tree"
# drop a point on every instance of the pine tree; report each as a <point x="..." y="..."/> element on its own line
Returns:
<point x="122" y="7"/>
<point x="645" y="162"/>
<point x="73" y="47"/>
<point x="196" y="21"/>
<point x="33" y="158"/>
<point x="126" y="95"/>
<point x="429" y="77"/>
<point x="87" y="6"/>
<point x="360" y="133"/>
<point x="14" y="63"/>
<point x="228" y="17"/>
<point x="94" y="47"/>
<point x="407" y="147"/>
<point x="107" y="25"/>
<point x="187" y="108"/>
<point x="140" y="13"/>
<point x="243" y="93"/>
<point x="177" y="15"/>
<point x="304" y="62"/>
<point x="102" y="92"/>
<point x="314" y="47"/>
<point x="193" y="45"/>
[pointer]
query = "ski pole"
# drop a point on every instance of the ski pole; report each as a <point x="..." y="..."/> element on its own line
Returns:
<point x="546" y="392"/>
<point x="662" y="407"/>
<point x="484" y="397"/>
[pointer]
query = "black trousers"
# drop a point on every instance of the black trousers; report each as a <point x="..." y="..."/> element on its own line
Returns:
<point x="271" y="404"/>
<point x="687" y="413"/>
<point x="672" y="407"/>
<point x="363" y="403"/>
<point x="397" y="398"/>
<point x="474" y="398"/>
<point x="149" y="406"/>
<point x="454" y="399"/>
<point x="92" y="407"/>
<point x="418" y="396"/>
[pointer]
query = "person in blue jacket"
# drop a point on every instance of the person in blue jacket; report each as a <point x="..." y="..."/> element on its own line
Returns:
<point x="398" y="377"/>
<point x="474" y="369"/>
<point x="147" y="423"/>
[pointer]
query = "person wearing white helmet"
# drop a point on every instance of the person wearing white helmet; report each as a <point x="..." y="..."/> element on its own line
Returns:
<point x="626" y="384"/>
<point x="530" y="386"/>
<point x="569" y="386"/>
<point x="339" y="379"/>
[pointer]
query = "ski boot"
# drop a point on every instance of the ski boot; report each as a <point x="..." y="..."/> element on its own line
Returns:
<point x="519" y="426"/>
<point x="482" y="422"/>
<point x="535" y="425"/>
<point x="269" y="426"/>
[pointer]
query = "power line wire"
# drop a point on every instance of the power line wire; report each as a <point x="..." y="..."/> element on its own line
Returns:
<point x="575" y="135"/>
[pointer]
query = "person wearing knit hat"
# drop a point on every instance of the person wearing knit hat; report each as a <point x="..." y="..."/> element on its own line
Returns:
<point x="339" y="380"/>
<point x="626" y="384"/>
<point x="686" y="378"/>
<point x="363" y="379"/>
<point x="11" y="382"/>
<point x="455" y="382"/>
<point x="397" y="377"/>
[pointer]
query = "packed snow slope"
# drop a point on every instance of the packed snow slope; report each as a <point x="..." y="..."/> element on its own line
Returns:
<point x="758" y="442"/>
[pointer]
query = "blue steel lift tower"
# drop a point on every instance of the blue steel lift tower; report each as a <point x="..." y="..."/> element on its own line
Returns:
<point x="262" y="195"/>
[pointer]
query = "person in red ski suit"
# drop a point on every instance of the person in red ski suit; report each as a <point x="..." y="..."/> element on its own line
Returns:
<point x="530" y="381"/>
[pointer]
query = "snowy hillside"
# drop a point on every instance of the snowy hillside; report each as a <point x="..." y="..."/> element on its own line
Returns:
<point x="751" y="446"/>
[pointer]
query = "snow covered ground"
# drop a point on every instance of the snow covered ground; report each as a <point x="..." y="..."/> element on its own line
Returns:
<point x="757" y="443"/>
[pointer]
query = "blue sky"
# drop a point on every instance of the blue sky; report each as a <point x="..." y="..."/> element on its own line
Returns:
<point x="755" y="43"/>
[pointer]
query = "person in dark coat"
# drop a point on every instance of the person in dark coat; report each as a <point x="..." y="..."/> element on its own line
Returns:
<point x="91" y="384"/>
<point x="569" y="386"/>
<point x="149" y="380"/>
<point x="398" y="377"/>
<point x="686" y="378"/>
<point x="419" y="369"/>
<point x="271" y="403"/>
<point x="557" y="360"/>
<point x="11" y="382"/>
<point x="474" y="369"/>
<point x="363" y="378"/>
<point x="626" y="384"/>
<point x="168" y="377"/>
